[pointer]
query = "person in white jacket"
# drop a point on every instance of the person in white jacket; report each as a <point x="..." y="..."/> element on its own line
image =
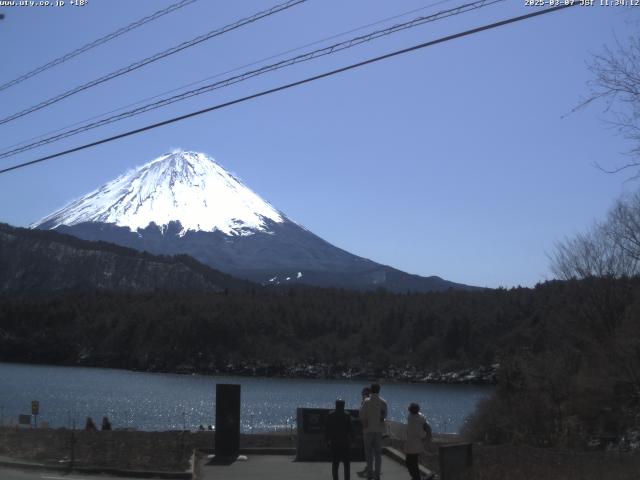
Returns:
<point x="373" y="414"/>
<point x="418" y="431"/>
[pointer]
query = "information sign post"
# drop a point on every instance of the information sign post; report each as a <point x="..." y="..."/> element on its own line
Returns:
<point x="35" y="410"/>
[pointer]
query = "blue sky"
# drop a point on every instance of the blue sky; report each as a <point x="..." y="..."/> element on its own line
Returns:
<point x="458" y="160"/>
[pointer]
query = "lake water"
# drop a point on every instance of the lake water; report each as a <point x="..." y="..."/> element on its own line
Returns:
<point x="161" y="401"/>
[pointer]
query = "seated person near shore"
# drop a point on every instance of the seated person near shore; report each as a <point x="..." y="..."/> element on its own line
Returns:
<point x="89" y="426"/>
<point x="106" y="424"/>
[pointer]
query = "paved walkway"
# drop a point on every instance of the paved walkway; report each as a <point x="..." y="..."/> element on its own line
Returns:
<point x="271" y="467"/>
<point x="17" y="474"/>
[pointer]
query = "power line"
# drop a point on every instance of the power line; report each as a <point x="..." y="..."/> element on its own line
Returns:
<point x="220" y="74"/>
<point x="165" y="53"/>
<point x="95" y="43"/>
<point x="245" y="76"/>
<point x="331" y="49"/>
<point x="294" y="84"/>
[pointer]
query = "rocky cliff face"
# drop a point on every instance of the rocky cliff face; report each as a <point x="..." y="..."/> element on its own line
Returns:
<point x="37" y="261"/>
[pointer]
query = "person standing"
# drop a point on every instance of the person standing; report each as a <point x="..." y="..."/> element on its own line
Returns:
<point x="90" y="426"/>
<point x="106" y="424"/>
<point x="418" y="431"/>
<point x="366" y="392"/>
<point x="339" y="436"/>
<point x="373" y="414"/>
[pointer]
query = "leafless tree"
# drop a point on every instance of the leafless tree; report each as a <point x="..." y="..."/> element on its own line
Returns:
<point x="616" y="82"/>
<point x="605" y="257"/>
<point x="591" y="254"/>
<point x="623" y="226"/>
<point x="608" y="249"/>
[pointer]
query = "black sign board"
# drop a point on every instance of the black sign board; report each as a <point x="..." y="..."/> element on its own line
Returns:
<point x="227" y="421"/>
<point x="314" y="420"/>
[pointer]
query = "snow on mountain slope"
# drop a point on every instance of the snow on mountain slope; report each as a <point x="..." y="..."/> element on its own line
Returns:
<point x="184" y="203"/>
<point x="188" y="187"/>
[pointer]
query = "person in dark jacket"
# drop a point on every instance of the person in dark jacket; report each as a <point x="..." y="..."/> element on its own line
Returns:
<point x="89" y="426"/>
<point x="106" y="424"/>
<point x="339" y="436"/>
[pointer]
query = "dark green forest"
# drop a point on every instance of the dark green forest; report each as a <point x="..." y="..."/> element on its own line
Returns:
<point x="165" y="330"/>
<point x="569" y="351"/>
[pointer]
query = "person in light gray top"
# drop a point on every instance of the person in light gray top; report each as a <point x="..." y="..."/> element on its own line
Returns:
<point x="373" y="414"/>
<point x="418" y="432"/>
<point x="366" y="392"/>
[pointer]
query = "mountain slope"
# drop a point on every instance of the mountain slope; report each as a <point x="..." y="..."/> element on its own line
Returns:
<point x="185" y="186"/>
<point x="37" y="261"/>
<point x="185" y="203"/>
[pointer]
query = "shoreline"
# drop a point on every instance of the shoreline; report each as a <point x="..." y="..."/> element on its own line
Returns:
<point x="482" y="375"/>
<point x="169" y="450"/>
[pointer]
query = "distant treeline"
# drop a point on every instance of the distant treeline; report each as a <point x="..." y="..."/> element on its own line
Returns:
<point x="165" y="330"/>
<point x="569" y="350"/>
<point x="435" y="331"/>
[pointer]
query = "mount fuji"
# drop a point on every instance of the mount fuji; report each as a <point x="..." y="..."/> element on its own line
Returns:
<point x="186" y="203"/>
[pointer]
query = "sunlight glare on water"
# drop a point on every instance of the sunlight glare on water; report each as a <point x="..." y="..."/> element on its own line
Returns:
<point x="160" y="401"/>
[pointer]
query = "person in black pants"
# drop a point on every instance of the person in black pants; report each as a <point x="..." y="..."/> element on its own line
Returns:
<point x="339" y="436"/>
<point x="106" y="424"/>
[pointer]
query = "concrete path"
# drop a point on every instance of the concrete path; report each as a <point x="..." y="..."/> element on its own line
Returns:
<point x="12" y="469"/>
<point x="282" y="467"/>
<point x="17" y="474"/>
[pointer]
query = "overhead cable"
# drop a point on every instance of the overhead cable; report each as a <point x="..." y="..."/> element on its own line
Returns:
<point x="220" y="74"/>
<point x="160" y="55"/>
<point x="352" y="66"/>
<point x="95" y="43"/>
<point x="331" y="49"/>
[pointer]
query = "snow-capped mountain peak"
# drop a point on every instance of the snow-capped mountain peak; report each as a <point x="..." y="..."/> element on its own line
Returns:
<point x="188" y="187"/>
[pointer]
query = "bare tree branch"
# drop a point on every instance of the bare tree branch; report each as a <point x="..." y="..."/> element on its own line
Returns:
<point x="616" y="84"/>
<point x="608" y="249"/>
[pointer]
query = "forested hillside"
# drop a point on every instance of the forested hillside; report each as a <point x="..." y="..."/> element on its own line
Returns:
<point x="37" y="261"/>
<point x="436" y="331"/>
<point x="568" y="350"/>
